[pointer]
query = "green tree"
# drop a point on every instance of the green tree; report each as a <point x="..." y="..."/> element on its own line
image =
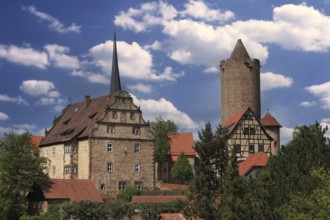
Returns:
<point x="127" y="194"/>
<point x="210" y="165"/>
<point x="20" y="168"/>
<point x="182" y="169"/>
<point x="162" y="129"/>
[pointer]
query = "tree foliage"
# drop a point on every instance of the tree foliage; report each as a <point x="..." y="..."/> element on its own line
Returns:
<point x="182" y="169"/>
<point x="162" y="128"/>
<point x="210" y="165"/>
<point x="20" y="169"/>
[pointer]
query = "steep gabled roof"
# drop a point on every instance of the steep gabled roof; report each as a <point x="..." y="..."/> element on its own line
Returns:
<point x="156" y="199"/>
<point x="73" y="190"/>
<point x="254" y="160"/>
<point x="270" y="121"/>
<point x="239" y="52"/>
<point x="77" y="120"/>
<point x="36" y="141"/>
<point x="182" y="142"/>
<point x="231" y="123"/>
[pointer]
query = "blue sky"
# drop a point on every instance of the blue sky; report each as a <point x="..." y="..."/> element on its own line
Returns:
<point x="53" y="53"/>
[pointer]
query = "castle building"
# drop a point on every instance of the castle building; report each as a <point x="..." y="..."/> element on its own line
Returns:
<point x="240" y="107"/>
<point x="104" y="139"/>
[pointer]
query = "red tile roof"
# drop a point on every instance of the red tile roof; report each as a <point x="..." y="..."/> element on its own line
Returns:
<point x="156" y="199"/>
<point x="77" y="119"/>
<point x="36" y="141"/>
<point x="254" y="160"/>
<point x="73" y="190"/>
<point x="231" y="123"/>
<point x="170" y="216"/>
<point x="269" y="120"/>
<point x="182" y="142"/>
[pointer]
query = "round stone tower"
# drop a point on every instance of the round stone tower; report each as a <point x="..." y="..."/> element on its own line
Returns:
<point x="240" y="83"/>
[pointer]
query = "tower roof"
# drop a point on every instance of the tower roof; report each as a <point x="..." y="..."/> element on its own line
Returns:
<point x="115" y="78"/>
<point x="270" y="121"/>
<point x="239" y="51"/>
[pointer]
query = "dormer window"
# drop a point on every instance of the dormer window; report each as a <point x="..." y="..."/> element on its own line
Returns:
<point x="67" y="121"/>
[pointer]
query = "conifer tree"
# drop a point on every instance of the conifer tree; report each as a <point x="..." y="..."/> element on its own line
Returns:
<point x="209" y="168"/>
<point x="182" y="169"/>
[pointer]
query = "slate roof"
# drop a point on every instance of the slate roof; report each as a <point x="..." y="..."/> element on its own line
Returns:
<point x="78" y="119"/>
<point x="270" y="121"/>
<point x="73" y="190"/>
<point x="254" y="160"/>
<point x="115" y="77"/>
<point x="182" y="142"/>
<point x="156" y="199"/>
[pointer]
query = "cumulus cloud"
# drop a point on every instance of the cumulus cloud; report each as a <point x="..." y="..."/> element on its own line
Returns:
<point x="3" y="116"/>
<point x="271" y="81"/>
<point x="18" y="100"/>
<point x="323" y="92"/>
<point x="37" y="87"/>
<point x="21" y="128"/>
<point x="57" y="54"/>
<point x="199" y="9"/>
<point x="135" y="62"/>
<point x="91" y="77"/>
<point x="325" y="122"/>
<point x="212" y="69"/>
<point x="156" y="45"/>
<point x="293" y="27"/>
<point x="286" y="134"/>
<point x="145" y="88"/>
<point x="24" y="55"/>
<point x="54" y="23"/>
<point x="164" y="108"/>
<point x="307" y="104"/>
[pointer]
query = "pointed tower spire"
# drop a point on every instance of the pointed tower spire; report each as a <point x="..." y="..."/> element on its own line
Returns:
<point x="239" y="52"/>
<point x="115" y="78"/>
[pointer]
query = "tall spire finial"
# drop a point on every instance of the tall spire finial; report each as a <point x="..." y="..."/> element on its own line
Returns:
<point x="239" y="51"/>
<point x="115" y="78"/>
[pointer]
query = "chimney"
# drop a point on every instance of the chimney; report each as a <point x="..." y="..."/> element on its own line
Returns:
<point x="87" y="100"/>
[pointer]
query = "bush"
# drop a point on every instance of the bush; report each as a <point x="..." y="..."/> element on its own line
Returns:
<point x="119" y="210"/>
<point x="83" y="210"/>
<point x="127" y="194"/>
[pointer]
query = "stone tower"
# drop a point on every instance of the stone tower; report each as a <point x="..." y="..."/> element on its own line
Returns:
<point x="240" y="83"/>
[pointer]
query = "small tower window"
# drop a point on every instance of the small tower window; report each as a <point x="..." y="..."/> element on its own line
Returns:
<point x="122" y="185"/>
<point x="137" y="168"/>
<point x="109" y="147"/>
<point x="111" y="129"/>
<point x="138" y="185"/>
<point x="137" y="148"/>
<point x="109" y="167"/>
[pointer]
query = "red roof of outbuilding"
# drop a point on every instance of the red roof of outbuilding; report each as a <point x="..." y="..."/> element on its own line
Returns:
<point x="36" y="141"/>
<point x="73" y="190"/>
<point x="156" y="199"/>
<point x="269" y="120"/>
<point x="254" y="160"/>
<point x="182" y="142"/>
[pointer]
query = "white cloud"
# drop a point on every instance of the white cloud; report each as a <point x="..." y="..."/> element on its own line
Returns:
<point x="25" y="126"/>
<point x="199" y="9"/>
<point x="323" y="92"/>
<point x="134" y="61"/>
<point x="307" y="104"/>
<point x="141" y="87"/>
<point x="37" y="87"/>
<point x="286" y="134"/>
<point x="212" y="69"/>
<point x="164" y="108"/>
<point x="18" y="100"/>
<point x="3" y="116"/>
<point x="54" y="23"/>
<point x="271" y="81"/>
<point x="325" y="122"/>
<point x="156" y="45"/>
<point x="21" y="128"/>
<point x="24" y="55"/>
<point x="57" y="54"/>
<point x="91" y="77"/>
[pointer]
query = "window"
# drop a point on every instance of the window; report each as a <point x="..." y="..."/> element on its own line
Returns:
<point x="252" y="131"/>
<point x="53" y="170"/>
<point x="249" y="131"/>
<point x="237" y="148"/>
<point x="122" y="185"/>
<point x="111" y="129"/>
<point x="70" y="169"/>
<point x="109" y="147"/>
<point x="109" y="167"/>
<point x="137" y="168"/>
<point x="67" y="169"/>
<point x="136" y="130"/>
<point x="53" y="151"/>
<point x="102" y="187"/>
<point x="46" y="153"/>
<point x="114" y="114"/>
<point x="251" y="149"/>
<point x="261" y="148"/>
<point x="67" y="148"/>
<point x="248" y="116"/>
<point x="74" y="169"/>
<point x="137" y="148"/>
<point x="132" y="115"/>
<point x="138" y="185"/>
